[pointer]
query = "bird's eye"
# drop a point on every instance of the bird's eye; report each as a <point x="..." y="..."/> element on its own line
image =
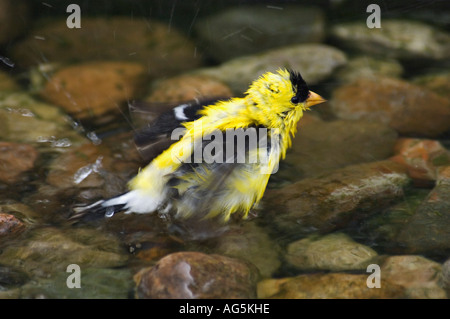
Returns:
<point x="295" y="100"/>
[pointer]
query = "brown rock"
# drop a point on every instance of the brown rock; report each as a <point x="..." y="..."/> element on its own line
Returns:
<point x="421" y="157"/>
<point x="418" y="275"/>
<point x="162" y="50"/>
<point x="326" y="286"/>
<point x="96" y="88"/>
<point x="14" y="160"/>
<point x="193" y="275"/>
<point x="188" y="87"/>
<point x="10" y="225"/>
<point x="408" y="108"/>
<point x="330" y="201"/>
<point x="13" y="19"/>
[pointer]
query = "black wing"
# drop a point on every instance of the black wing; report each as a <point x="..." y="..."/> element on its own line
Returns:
<point x="154" y="138"/>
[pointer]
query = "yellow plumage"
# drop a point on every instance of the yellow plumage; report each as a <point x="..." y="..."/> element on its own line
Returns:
<point x="275" y="103"/>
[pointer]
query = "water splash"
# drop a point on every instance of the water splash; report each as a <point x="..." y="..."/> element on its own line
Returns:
<point x="87" y="170"/>
<point x="109" y="212"/>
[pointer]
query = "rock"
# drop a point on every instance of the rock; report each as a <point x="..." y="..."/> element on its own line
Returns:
<point x="10" y="278"/>
<point x="26" y="120"/>
<point x="94" y="89"/>
<point x="327" y="286"/>
<point x="251" y="242"/>
<point x="394" y="102"/>
<point x="428" y="230"/>
<point x="15" y="159"/>
<point x="247" y="30"/>
<point x="95" y="283"/>
<point x="444" y="280"/>
<point x="47" y="251"/>
<point x="421" y="157"/>
<point x="438" y="83"/>
<point x="443" y="175"/>
<point x="419" y="276"/>
<point x="331" y="201"/>
<point x="188" y="87"/>
<point x="14" y="19"/>
<point x="163" y="51"/>
<point x="323" y="146"/>
<point x="369" y="67"/>
<point x="7" y="83"/>
<point x="395" y="39"/>
<point x="87" y="166"/>
<point x="334" y="252"/>
<point x="10" y="226"/>
<point x="193" y="275"/>
<point x="316" y="62"/>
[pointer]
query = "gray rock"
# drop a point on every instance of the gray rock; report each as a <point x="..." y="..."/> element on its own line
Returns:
<point x="396" y="39"/>
<point x="315" y="62"/>
<point x="246" y="30"/>
<point x="335" y="252"/>
<point x="367" y="66"/>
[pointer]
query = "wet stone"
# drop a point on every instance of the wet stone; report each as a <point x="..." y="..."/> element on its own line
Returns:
<point x="438" y="83"/>
<point x="332" y="200"/>
<point x="327" y="286"/>
<point x="422" y="158"/>
<point x="394" y="102"/>
<point x="369" y="67"/>
<point x="247" y="30"/>
<point x="163" y="51"/>
<point x="10" y="226"/>
<point x="419" y="276"/>
<point x="334" y="252"/>
<point x="349" y="142"/>
<point x="396" y="39"/>
<point x="188" y="87"/>
<point x="15" y="159"/>
<point x="193" y="275"/>
<point x="94" y="89"/>
<point x="316" y="62"/>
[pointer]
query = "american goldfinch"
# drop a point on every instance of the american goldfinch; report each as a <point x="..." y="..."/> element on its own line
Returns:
<point x="220" y="156"/>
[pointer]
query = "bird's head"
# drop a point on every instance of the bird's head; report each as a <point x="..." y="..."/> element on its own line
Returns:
<point x="282" y="93"/>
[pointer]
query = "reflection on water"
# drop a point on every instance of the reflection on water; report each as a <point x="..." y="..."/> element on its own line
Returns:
<point x="366" y="181"/>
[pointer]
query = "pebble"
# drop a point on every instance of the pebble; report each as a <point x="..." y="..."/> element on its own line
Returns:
<point x="334" y="252"/>
<point x="194" y="275"/>
<point x="394" y="102"/>
<point x="246" y="30"/>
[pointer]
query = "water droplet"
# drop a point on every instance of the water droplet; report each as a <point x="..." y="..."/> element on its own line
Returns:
<point x="109" y="212"/>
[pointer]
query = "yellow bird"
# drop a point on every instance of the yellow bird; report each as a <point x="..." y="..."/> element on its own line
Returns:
<point x="220" y="156"/>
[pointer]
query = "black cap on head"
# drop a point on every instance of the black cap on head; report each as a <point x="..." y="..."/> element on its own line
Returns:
<point x="299" y="87"/>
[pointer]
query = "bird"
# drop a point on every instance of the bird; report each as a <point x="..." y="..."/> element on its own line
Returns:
<point x="214" y="159"/>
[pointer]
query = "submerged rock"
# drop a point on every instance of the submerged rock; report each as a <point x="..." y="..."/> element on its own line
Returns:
<point x="246" y="30"/>
<point x="47" y="251"/>
<point x="321" y="146"/>
<point x="188" y="87"/>
<point x="408" y="108"/>
<point x="94" y="89"/>
<point x="316" y="62"/>
<point x="335" y="252"/>
<point x="331" y="201"/>
<point x="163" y="51"/>
<point x="193" y="275"/>
<point x="421" y="157"/>
<point x="417" y="275"/>
<point x="327" y="286"/>
<point x="396" y="38"/>
<point x="15" y="159"/>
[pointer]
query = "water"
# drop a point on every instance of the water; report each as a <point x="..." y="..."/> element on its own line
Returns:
<point x="337" y="180"/>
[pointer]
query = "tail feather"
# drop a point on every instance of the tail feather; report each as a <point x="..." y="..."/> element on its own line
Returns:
<point x="99" y="209"/>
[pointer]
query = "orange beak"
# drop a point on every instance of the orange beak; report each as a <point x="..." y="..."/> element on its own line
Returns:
<point x="314" y="99"/>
